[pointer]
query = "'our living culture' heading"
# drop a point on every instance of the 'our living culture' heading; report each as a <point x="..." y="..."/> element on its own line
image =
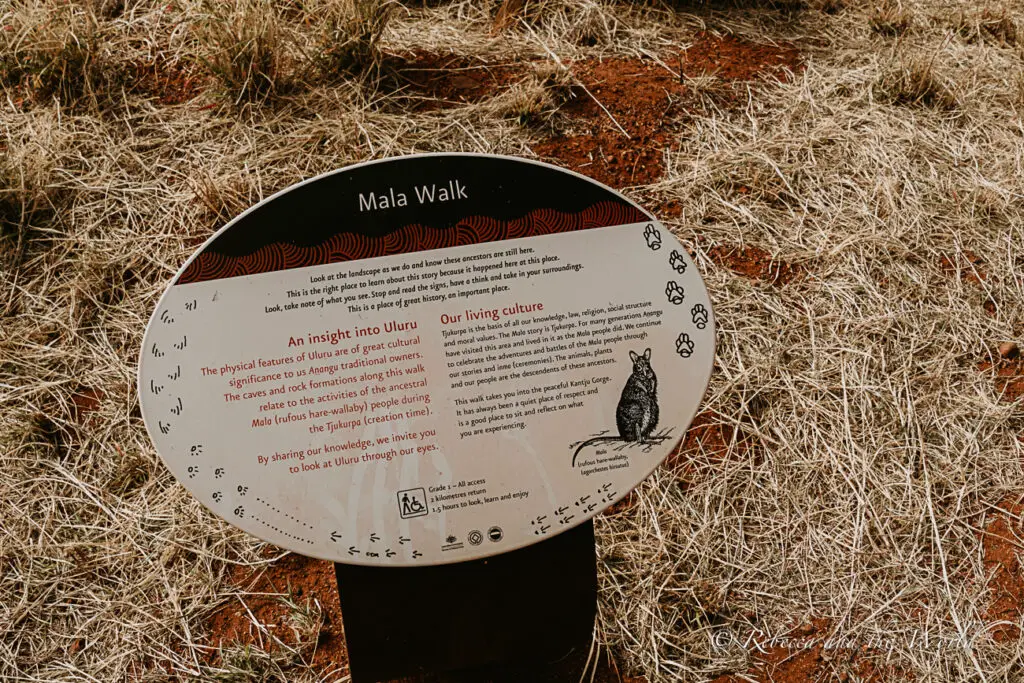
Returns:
<point x="424" y="194"/>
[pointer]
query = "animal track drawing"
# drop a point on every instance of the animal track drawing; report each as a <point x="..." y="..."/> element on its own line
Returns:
<point x="653" y="237"/>
<point x="700" y="316"/>
<point x="678" y="263"/>
<point x="684" y="345"/>
<point x="674" y="292"/>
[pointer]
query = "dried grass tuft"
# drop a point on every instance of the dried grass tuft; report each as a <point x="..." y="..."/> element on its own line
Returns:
<point x="891" y="18"/>
<point x="63" y="55"/>
<point x="351" y="35"/>
<point x="916" y="81"/>
<point x="990" y="23"/>
<point x="244" y="45"/>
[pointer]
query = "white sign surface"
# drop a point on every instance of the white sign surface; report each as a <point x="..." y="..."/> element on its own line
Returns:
<point x="427" y="405"/>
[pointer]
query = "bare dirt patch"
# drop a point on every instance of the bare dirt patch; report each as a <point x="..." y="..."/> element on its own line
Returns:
<point x="711" y="440"/>
<point x="1009" y="371"/>
<point x="1002" y="544"/>
<point x="303" y="580"/>
<point x="85" y="400"/>
<point x="968" y="266"/>
<point x="629" y="105"/>
<point x="756" y="264"/>
<point x="167" y="82"/>
<point x="427" y="81"/>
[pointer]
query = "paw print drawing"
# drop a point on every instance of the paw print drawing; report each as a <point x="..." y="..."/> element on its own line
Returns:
<point x="678" y="263"/>
<point x="684" y="345"/>
<point x="653" y="237"/>
<point x="674" y="292"/>
<point x="700" y="316"/>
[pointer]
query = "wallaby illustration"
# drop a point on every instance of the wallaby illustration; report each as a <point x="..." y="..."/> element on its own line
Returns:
<point x="637" y="412"/>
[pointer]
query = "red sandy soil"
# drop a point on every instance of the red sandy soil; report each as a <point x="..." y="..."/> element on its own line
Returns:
<point x="1002" y="546"/>
<point x="430" y="81"/>
<point x="1009" y="368"/>
<point x="167" y="82"/>
<point x="644" y="99"/>
<point x="304" y="579"/>
<point x="84" y="401"/>
<point x="756" y="264"/>
<point x="709" y="438"/>
<point x="968" y="266"/>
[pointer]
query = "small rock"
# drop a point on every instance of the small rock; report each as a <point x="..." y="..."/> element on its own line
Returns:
<point x="1009" y="350"/>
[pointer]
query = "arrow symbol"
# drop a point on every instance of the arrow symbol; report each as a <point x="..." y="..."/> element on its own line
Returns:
<point x="352" y="550"/>
<point x="561" y="510"/>
<point x="567" y="519"/>
<point x="544" y="529"/>
<point x="374" y="538"/>
<point x="390" y="553"/>
<point x="335" y="536"/>
<point x="417" y="553"/>
<point x="591" y="507"/>
<point x="403" y="540"/>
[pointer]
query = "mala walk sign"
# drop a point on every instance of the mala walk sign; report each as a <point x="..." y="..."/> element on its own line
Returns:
<point x="426" y="360"/>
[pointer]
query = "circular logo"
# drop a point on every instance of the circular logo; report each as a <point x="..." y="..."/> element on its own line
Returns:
<point x="495" y="533"/>
<point x="475" y="537"/>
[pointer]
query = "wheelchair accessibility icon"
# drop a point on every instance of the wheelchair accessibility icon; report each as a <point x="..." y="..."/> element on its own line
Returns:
<point x="412" y="503"/>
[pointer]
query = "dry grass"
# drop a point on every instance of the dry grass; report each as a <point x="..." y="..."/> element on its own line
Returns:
<point x="879" y="447"/>
<point x="917" y="82"/>
<point x="891" y="18"/>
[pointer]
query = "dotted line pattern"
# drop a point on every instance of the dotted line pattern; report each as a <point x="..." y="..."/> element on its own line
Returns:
<point x="281" y="531"/>
<point x="297" y="521"/>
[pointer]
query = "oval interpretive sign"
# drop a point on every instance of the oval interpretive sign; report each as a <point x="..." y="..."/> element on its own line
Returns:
<point x="426" y="359"/>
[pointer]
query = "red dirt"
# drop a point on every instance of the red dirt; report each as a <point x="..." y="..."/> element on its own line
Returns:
<point x="168" y="82"/>
<point x="811" y="661"/>
<point x="433" y="81"/>
<point x="708" y="439"/>
<point x="644" y="97"/>
<point x="968" y="265"/>
<point x="309" y="580"/>
<point x="85" y="400"/>
<point x="1009" y="376"/>
<point x="756" y="264"/>
<point x="1001" y="546"/>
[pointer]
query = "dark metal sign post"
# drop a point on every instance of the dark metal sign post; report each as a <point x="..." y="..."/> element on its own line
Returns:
<point x="525" y="614"/>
